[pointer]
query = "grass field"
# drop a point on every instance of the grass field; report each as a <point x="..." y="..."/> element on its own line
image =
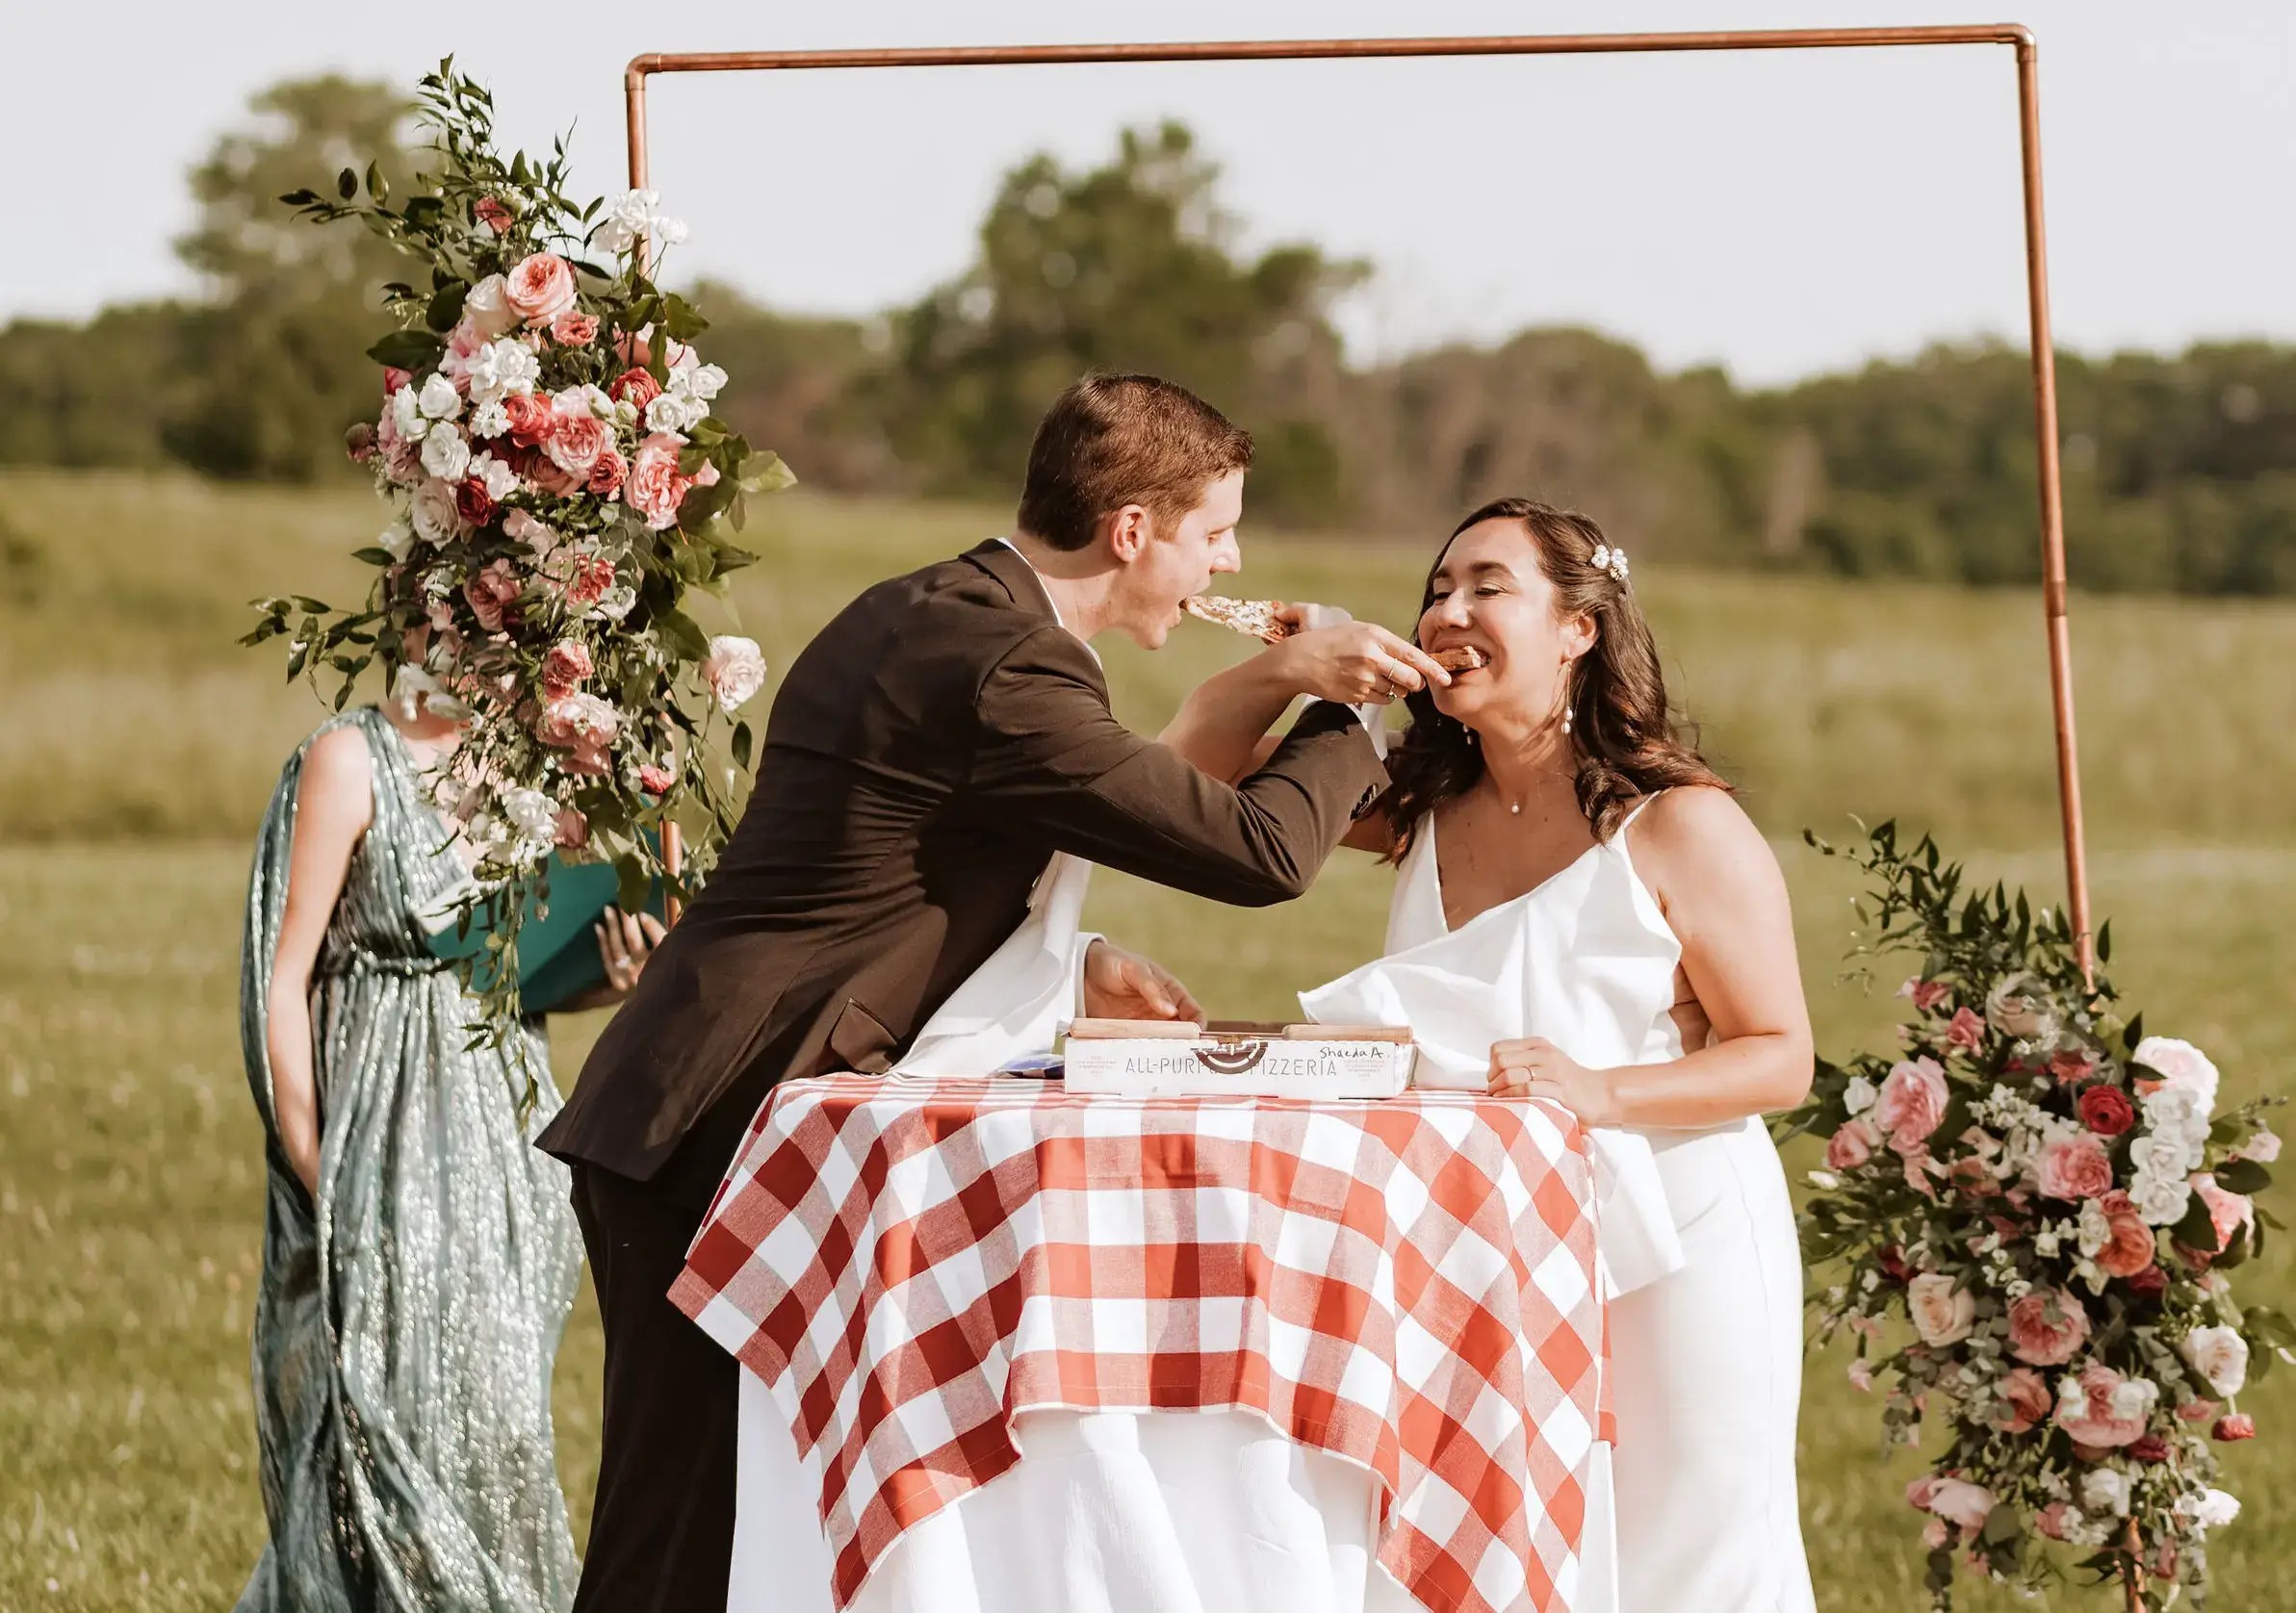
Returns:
<point x="139" y="744"/>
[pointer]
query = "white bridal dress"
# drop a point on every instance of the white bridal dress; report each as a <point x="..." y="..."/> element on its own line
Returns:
<point x="1706" y="1359"/>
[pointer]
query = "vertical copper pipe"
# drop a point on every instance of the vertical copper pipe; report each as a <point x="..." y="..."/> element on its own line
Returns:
<point x="633" y="97"/>
<point x="2052" y="507"/>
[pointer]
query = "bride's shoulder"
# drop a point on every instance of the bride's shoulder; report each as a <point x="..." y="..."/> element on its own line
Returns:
<point x="1695" y="826"/>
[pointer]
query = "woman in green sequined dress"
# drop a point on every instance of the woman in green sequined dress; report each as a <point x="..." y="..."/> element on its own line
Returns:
<point x="419" y="1256"/>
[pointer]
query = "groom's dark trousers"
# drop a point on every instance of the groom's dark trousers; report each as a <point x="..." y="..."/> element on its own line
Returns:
<point x="926" y="755"/>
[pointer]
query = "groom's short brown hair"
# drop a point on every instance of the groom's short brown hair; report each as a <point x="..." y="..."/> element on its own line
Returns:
<point x="1115" y="439"/>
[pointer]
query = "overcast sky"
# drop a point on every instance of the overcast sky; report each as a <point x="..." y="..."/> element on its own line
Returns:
<point x="1779" y="213"/>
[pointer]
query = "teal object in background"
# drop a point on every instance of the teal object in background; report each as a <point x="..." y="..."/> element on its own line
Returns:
<point x="558" y="950"/>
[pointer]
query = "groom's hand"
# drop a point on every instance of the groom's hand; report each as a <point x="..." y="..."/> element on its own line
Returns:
<point x="1119" y="985"/>
<point x="1332" y="657"/>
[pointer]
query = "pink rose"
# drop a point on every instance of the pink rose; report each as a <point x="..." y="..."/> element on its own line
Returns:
<point x="1850" y="1147"/>
<point x="2088" y="1415"/>
<point x="2071" y="1066"/>
<point x="394" y="378"/>
<point x="2028" y="1400"/>
<point x="2046" y="1327"/>
<point x="2129" y="1245"/>
<point x="2051" y="1520"/>
<point x="574" y="330"/>
<point x="1942" y="1314"/>
<point x="1936" y="1534"/>
<point x="583" y="725"/>
<point x="1921" y="1492"/>
<point x="1926" y="994"/>
<point x="734" y="668"/>
<point x="2197" y="1411"/>
<point x="2075" y="1167"/>
<point x="2261" y="1147"/>
<point x="1911" y="1102"/>
<point x="565" y="667"/>
<point x="531" y="419"/>
<point x="575" y="442"/>
<point x="490" y="594"/>
<point x="2150" y="1448"/>
<point x="587" y="578"/>
<point x="2235" y="1425"/>
<point x="2166" y="1062"/>
<point x="638" y="350"/>
<point x="1961" y="1503"/>
<point x="655" y="779"/>
<point x="1966" y="1030"/>
<point x="1919" y="1172"/>
<point x="540" y="287"/>
<point x="635" y="386"/>
<point x="606" y="473"/>
<point x="2228" y="1211"/>
<point x="654" y="488"/>
<point x="574" y="829"/>
<point x="492" y="213"/>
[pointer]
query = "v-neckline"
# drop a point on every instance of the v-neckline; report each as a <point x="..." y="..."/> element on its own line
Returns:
<point x="411" y="768"/>
<point x="1435" y="868"/>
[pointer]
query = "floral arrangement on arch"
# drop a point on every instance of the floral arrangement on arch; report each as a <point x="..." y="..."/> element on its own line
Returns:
<point x="559" y="483"/>
<point x="2036" y="1210"/>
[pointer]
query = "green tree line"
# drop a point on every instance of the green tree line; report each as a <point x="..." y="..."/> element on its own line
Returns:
<point x="2180" y="469"/>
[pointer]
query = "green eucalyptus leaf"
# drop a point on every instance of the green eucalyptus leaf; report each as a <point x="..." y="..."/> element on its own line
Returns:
<point x="741" y="745"/>
<point x="406" y="349"/>
<point x="682" y="634"/>
<point x="2243" y="1176"/>
<point x="445" y="307"/>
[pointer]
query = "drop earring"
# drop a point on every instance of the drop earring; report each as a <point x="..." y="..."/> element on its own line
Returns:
<point x="1567" y="693"/>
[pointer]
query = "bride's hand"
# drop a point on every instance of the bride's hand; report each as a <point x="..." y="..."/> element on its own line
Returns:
<point x="1534" y="1068"/>
<point x="1332" y="657"/>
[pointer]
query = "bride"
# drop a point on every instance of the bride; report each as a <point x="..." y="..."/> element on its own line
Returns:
<point x="1550" y="780"/>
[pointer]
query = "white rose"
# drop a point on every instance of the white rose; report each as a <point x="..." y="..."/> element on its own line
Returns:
<point x="2161" y="1200"/>
<point x="503" y="369"/>
<point x="672" y="413"/>
<point x="584" y="399"/>
<point x="2162" y="1154"/>
<point x="735" y="670"/>
<point x="2179" y="1064"/>
<point x="2212" y="1510"/>
<point x="2105" y="1491"/>
<point x="2261" y="1147"/>
<point x="1941" y="1313"/>
<point x="1858" y="1096"/>
<point x="703" y="381"/>
<point x="397" y="539"/>
<point x="1960" y="1502"/>
<point x="407" y="413"/>
<point x="629" y="219"/>
<point x="2096" y="1228"/>
<point x="446" y="453"/>
<point x="2220" y="1355"/>
<point x="668" y="231"/>
<point x="484" y="307"/>
<point x="489" y="418"/>
<point x="433" y="512"/>
<point x="440" y="401"/>
<point x="499" y="480"/>
<point x="533" y="813"/>
<point x="2177" y="1112"/>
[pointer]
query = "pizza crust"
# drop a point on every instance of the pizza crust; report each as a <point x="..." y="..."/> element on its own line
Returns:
<point x="1256" y="618"/>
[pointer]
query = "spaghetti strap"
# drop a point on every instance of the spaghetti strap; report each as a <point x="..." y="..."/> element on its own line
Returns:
<point x="1640" y="806"/>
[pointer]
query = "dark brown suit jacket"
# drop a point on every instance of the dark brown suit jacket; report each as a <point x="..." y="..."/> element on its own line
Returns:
<point x="926" y="755"/>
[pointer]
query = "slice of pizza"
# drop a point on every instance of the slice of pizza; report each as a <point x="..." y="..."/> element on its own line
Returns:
<point x="1464" y="657"/>
<point x="1256" y="618"/>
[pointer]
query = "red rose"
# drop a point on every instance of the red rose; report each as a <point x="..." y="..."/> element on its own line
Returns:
<point x="606" y="473"/>
<point x="2150" y="1448"/>
<point x="492" y="213"/>
<point x="635" y="386"/>
<point x="394" y="378"/>
<point x="2235" y="1425"/>
<point x="2107" y="1111"/>
<point x="531" y="419"/>
<point x="1892" y="1259"/>
<point x="473" y="502"/>
<point x="2148" y="1284"/>
<point x="654" y="781"/>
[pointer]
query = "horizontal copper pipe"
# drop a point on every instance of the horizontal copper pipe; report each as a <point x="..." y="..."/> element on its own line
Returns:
<point x="1320" y="50"/>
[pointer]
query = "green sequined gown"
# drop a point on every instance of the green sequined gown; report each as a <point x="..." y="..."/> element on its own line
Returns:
<point x="406" y="1322"/>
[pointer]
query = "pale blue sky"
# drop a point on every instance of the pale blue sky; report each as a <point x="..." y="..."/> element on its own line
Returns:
<point x="1780" y="214"/>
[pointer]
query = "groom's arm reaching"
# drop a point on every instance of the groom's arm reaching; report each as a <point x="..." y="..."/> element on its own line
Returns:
<point x="1052" y="756"/>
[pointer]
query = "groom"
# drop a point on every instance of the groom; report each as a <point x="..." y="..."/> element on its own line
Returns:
<point x="927" y="755"/>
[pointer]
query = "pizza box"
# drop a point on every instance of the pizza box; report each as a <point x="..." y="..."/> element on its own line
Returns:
<point x="1161" y="1057"/>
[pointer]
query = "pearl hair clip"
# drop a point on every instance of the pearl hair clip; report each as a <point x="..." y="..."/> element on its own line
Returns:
<point x="1612" y="559"/>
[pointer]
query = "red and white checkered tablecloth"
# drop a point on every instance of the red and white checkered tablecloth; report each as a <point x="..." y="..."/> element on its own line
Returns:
<point x="1409" y="1285"/>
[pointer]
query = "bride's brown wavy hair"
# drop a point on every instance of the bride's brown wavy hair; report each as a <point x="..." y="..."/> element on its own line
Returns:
<point x="1629" y="741"/>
